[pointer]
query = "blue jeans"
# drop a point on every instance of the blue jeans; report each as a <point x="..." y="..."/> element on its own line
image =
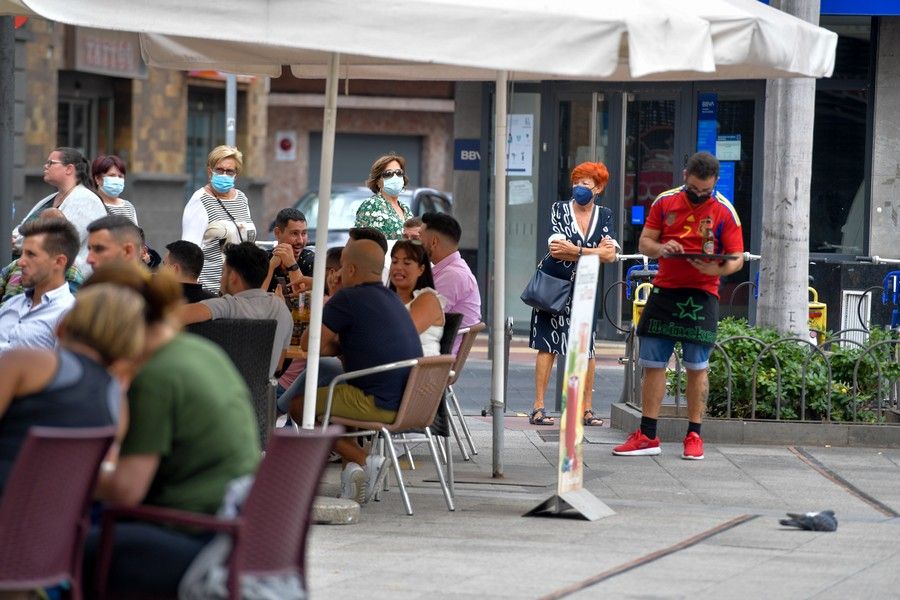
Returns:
<point x="655" y="353"/>
<point x="329" y="368"/>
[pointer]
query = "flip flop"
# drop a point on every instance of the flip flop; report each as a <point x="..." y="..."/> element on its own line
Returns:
<point x="539" y="417"/>
<point x="590" y="420"/>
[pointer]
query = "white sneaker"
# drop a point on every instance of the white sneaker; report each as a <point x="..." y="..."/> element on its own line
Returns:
<point x="375" y="474"/>
<point x="353" y="483"/>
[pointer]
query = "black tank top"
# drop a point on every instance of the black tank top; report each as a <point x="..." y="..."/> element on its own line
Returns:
<point x="81" y="394"/>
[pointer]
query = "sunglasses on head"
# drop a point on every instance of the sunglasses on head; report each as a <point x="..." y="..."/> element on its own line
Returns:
<point x="389" y="174"/>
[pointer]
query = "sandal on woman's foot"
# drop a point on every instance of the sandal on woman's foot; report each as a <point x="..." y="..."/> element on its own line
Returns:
<point x="539" y="417"/>
<point x="590" y="420"/>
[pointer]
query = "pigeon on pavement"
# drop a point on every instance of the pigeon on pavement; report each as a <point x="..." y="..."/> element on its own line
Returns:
<point x="812" y="521"/>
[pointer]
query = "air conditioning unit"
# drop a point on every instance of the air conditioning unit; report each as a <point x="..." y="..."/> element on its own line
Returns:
<point x="856" y="313"/>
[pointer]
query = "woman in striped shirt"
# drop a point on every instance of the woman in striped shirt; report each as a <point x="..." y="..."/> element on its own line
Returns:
<point x="218" y="213"/>
<point x="108" y="171"/>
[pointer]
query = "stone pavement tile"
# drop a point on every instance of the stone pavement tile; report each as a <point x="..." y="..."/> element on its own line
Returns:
<point x="486" y="549"/>
<point x="725" y="567"/>
<point x="794" y="484"/>
<point x="879" y="580"/>
<point x="486" y="539"/>
<point x="874" y="471"/>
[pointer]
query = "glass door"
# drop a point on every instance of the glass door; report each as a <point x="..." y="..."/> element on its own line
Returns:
<point x="583" y="136"/>
<point x="524" y="216"/>
<point x="736" y="116"/>
<point x="650" y="163"/>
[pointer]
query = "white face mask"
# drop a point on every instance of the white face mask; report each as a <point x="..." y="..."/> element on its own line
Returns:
<point x="113" y="186"/>
<point x="393" y="186"/>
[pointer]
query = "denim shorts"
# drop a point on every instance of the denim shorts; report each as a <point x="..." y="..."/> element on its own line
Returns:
<point x="655" y="353"/>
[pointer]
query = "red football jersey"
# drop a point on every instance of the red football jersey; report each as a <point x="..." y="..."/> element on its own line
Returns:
<point x="674" y="216"/>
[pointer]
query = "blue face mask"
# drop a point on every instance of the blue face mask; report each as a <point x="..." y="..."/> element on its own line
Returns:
<point x="582" y="195"/>
<point x="113" y="186"/>
<point x="393" y="186"/>
<point x="222" y="183"/>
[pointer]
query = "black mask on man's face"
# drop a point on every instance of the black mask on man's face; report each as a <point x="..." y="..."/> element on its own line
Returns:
<point x="696" y="198"/>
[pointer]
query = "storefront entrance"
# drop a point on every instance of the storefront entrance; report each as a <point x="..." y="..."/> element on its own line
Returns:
<point x="644" y="133"/>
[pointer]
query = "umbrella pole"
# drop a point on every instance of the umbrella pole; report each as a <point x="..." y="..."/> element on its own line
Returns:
<point x="498" y="334"/>
<point x="318" y="291"/>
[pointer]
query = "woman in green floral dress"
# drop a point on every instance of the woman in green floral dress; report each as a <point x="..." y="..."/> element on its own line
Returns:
<point x="384" y="211"/>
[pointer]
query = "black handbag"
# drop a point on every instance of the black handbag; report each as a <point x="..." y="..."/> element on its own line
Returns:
<point x="546" y="292"/>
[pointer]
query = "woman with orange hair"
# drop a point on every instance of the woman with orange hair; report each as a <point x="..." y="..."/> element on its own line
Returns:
<point x="580" y="227"/>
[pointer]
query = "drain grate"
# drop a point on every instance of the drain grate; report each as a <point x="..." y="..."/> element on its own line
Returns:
<point x="548" y="436"/>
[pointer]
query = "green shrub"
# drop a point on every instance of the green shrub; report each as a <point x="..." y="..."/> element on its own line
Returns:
<point x="791" y="358"/>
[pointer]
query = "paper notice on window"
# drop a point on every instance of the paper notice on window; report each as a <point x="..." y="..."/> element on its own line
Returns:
<point x="519" y="144"/>
<point x="728" y="147"/>
<point x="521" y="191"/>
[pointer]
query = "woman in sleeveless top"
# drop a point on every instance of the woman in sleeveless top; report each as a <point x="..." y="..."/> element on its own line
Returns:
<point x="71" y="386"/>
<point x="410" y="277"/>
<point x="218" y="213"/>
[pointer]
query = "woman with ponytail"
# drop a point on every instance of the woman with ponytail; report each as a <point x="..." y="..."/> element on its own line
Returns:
<point x="69" y="172"/>
<point x="191" y="431"/>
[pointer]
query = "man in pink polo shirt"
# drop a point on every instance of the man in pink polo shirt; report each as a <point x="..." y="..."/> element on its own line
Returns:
<point x="452" y="277"/>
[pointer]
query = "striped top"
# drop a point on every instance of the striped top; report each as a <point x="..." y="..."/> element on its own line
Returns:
<point x="202" y="210"/>
<point x="125" y="209"/>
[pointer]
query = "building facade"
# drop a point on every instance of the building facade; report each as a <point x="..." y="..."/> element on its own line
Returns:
<point x="91" y="90"/>
<point x="644" y="132"/>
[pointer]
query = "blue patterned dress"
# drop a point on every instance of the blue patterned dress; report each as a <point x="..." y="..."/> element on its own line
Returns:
<point x="549" y="333"/>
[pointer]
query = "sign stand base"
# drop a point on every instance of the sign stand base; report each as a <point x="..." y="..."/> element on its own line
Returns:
<point x="577" y="503"/>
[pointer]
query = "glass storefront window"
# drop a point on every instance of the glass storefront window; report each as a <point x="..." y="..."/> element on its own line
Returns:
<point x="649" y="161"/>
<point x="838" y="188"/>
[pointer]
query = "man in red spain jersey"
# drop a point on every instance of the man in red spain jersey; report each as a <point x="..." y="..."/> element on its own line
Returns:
<point x="684" y="303"/>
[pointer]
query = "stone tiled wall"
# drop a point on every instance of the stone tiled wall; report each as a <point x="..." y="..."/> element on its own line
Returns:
<point x="44" y="56"/>
<point x="159" y="122"/>
<point x="252" y="135"/>
<point x="288" y="180"/>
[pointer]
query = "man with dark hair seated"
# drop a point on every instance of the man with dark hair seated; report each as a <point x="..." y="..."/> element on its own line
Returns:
<point x="412" y="228"/>
<point x="290" y="261"/>
<point x="30" y="319"/>
<point x="243" y="272"/>
<point x="453" y="278"/>
<point x="11" y="274"/>
<point x="113" y="238"/>
<point x="184" y="259"/>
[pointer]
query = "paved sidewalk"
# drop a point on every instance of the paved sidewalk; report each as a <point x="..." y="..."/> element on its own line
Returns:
<point x="715" y="522"/>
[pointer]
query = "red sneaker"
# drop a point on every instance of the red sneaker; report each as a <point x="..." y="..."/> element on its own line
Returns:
<point x="638" y="444"/>
<point x="693" y="447"/>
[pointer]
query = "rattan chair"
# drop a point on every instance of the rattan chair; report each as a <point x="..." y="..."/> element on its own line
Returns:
<point x="468" y="340"/>
<point x="248" y="343"/>
<point x="269" y="537"/>
<point x="421" y="399"/>
<point x="44" y="507"/>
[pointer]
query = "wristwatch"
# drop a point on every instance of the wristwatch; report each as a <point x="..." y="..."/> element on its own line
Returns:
<point x="580" y="250"/>
<point x="293" y="267"/>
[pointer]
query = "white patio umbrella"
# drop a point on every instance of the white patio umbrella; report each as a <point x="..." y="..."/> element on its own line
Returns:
<point x="460" y="40"/>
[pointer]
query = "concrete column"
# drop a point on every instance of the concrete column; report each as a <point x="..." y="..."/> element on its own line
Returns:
<point x="467" y="124"/>
<point x="885" y="208"/>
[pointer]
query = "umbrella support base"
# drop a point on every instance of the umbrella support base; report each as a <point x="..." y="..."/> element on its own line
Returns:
<point x="579" y="504"/>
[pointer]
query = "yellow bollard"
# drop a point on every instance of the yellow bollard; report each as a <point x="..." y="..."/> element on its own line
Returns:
<point x="640" y="301"/>
<point x="818" y="317"/>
